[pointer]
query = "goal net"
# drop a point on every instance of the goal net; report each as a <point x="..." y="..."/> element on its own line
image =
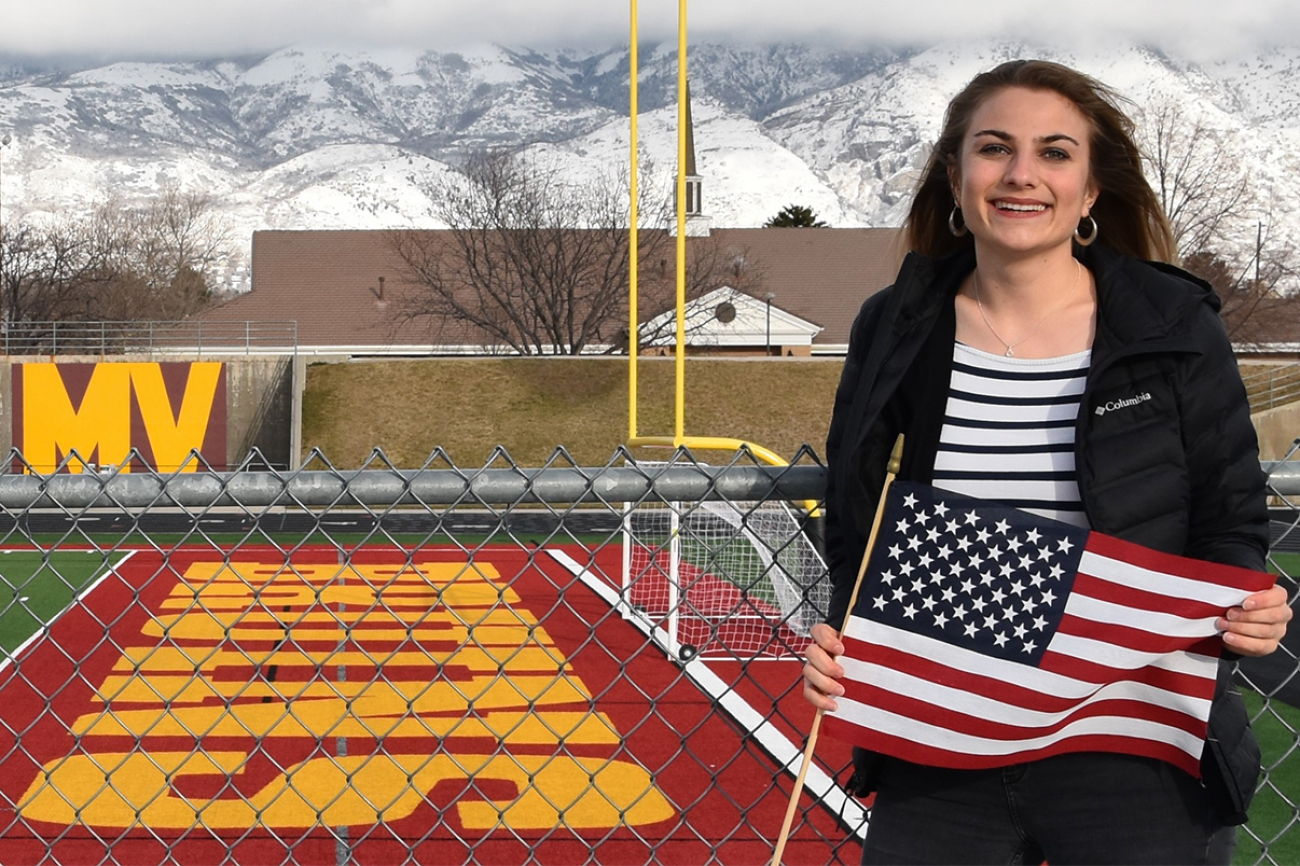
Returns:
<point x="724" y="579"/>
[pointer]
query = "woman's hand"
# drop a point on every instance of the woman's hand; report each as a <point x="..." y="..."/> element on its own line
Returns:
<point x="1255" y="628"/>
<point x="821" y="671"/>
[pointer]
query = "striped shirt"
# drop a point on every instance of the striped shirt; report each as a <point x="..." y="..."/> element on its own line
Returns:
<point x="1008" y="431"/>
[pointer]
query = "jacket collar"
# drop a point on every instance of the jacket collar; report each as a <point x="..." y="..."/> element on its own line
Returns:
<point x="1141" y="306"/>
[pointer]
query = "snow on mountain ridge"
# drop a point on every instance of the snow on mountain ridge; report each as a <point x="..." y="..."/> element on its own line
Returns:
<point x="315" y="137"/>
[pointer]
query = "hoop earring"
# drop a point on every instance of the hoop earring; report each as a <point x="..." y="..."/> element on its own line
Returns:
<point x="1086" y="241"/>
<point x="957" y="230"/>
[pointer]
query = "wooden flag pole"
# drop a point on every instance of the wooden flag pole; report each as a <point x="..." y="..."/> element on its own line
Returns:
<point x="895" y="463"/>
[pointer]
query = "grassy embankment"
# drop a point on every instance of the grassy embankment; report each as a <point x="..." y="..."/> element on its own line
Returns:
<point x="532" y="405"/>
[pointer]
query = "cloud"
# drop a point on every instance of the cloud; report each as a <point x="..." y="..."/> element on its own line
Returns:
<point x="167" y="28"/>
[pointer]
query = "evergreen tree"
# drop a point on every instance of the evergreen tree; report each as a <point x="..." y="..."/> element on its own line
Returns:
<point x="794" y="216"/>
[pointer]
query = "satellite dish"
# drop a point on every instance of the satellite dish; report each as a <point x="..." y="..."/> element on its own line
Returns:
<point x="725" y="312"/>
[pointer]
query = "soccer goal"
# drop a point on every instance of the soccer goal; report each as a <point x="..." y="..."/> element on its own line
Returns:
<point x="724" y="579"/>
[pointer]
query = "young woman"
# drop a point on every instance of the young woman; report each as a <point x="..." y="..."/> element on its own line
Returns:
<point x="1035" y="293"/>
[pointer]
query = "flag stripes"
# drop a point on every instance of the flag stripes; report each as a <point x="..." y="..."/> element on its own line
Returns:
<point x="986" y="636"/>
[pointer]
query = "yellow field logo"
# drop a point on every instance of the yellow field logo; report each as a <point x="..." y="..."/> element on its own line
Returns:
<point x="103" y="411"/>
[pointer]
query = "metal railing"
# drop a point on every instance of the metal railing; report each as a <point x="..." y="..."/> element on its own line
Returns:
<point x="188" y="337"/>
<point x="1275" y="386"/>
<point x="440" y="665"/>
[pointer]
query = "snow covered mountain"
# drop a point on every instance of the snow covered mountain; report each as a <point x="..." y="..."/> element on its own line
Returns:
<point x="314" y="138"/>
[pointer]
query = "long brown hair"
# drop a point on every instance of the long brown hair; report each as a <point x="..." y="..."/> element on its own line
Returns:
<point x="1128" y="214"/>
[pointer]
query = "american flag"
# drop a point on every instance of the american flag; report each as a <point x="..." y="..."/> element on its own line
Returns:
<point x="985" y="636"/>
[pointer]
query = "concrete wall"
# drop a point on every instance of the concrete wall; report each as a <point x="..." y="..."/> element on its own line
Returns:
<point x="259" y="409"/>
<point x="260" y="402"/>
<point x="1277" y="429"/>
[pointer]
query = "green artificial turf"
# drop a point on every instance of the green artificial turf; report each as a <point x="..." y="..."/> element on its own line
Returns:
<point x="1274" y="818"/>
<point x="36" y="586"/>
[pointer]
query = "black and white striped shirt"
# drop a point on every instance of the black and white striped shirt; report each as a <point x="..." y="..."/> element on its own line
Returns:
<point x="1008" y="431"/>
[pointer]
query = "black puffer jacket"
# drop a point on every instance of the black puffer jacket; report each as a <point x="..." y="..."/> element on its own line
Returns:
<point x="1165" y="452"/>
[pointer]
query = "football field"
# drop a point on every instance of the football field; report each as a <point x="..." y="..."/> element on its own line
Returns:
<point x="370" y="706"/>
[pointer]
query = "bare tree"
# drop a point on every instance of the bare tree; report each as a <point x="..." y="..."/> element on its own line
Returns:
<point x="534" y="263"/>
<point x="1200" y="182"/>
<point x="162" y="256"/>
<point x="1254" y="302"/>
<point x="120" y="263"/>
<point x="1222" y="233"/>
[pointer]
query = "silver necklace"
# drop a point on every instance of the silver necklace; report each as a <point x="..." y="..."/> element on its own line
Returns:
<point x="1078" y="271"/>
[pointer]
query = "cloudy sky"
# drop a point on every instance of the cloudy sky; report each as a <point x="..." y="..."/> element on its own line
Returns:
<point x="184" y="28"/>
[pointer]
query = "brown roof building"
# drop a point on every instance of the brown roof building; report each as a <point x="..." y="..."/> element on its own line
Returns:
<point x="347" y="290"/>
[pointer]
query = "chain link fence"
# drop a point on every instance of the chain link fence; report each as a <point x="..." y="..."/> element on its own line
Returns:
<point x="555" y="664"/>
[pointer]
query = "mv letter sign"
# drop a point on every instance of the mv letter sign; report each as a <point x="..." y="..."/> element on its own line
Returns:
<point x="102" y="411"/>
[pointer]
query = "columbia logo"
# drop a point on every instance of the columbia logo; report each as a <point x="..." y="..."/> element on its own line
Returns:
<point x="1123" y="404"/>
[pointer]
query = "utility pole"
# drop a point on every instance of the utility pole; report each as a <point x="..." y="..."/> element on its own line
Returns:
<point x="769" y="297"/>
<point x="7" y="315"/>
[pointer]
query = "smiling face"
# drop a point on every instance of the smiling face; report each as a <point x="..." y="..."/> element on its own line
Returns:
<point x="1022" y="176"/>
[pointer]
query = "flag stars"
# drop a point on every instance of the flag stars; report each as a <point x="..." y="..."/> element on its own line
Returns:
<point x="973" y="577"/>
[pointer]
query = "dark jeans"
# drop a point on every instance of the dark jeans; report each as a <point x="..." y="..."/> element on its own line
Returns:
<point x="1071" y="809"/>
